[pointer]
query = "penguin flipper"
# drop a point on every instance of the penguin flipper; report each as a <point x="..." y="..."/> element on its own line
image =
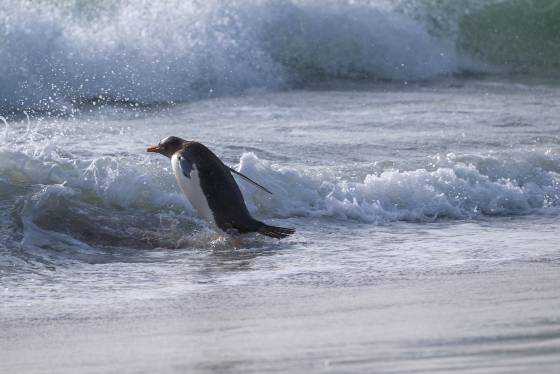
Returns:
<point x="186" y="166"/>
<point x="248" y="179"/>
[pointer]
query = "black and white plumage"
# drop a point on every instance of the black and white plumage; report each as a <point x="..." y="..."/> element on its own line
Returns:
<point x="210" y="187"/>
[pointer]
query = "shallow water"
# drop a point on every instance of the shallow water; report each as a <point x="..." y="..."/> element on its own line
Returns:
<point x="500" y="321"/>
<point x="426" y="216"/>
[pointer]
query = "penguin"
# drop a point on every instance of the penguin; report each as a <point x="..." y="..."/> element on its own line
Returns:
<point x="211" y="189"/>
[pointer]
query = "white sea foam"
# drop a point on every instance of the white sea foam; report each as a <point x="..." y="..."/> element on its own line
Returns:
<point x="457" y="189"/>
<point x="77" y="208"/>
<point x="53" y="56"/>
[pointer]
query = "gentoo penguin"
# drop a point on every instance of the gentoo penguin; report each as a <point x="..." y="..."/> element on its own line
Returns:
<point x="211" y="189"/>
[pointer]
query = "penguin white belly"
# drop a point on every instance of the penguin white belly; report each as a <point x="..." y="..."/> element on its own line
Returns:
<point x="192" y="189"/>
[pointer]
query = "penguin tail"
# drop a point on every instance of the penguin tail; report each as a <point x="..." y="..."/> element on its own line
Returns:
<point x="275" y="231"/>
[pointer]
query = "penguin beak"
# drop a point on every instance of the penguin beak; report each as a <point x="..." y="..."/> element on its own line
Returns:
<point x="154" y="149"/>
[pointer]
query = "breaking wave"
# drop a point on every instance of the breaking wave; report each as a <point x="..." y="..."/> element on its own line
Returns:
<point x="55" y="204"/>
<point x="455" y="188"/>
<point x="56" y="55"/>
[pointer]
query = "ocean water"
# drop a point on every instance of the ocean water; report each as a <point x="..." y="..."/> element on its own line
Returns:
<point x="414" y="146"/>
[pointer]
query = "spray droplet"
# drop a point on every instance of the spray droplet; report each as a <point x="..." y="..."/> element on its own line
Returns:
<point x="6" y="128"/>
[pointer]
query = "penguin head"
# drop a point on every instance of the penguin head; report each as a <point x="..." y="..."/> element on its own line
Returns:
<point x="168" y="146"/>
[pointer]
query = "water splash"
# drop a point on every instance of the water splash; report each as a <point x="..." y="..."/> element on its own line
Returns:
<point x="28" y="129"/>
<point x="6" y="128"/>
<point x="56" y="57"/>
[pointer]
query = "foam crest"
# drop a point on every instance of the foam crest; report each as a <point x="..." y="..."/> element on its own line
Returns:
<point x="84" y="208"/>
<point x="452" y="187"/>
<point x="55" y="56"/>
<point x="110" y="180"/>
<point x="65" y="207"/>
<point x="459" y="189"/>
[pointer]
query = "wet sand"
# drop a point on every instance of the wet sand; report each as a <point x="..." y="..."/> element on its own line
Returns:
<point x="504" y="321"/>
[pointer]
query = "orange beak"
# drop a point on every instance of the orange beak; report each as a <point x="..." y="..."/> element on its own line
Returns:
<point x="153" y="149"/>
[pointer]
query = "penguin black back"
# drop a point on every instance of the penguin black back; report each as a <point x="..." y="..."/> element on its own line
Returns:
<point x="218" y="187"/>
